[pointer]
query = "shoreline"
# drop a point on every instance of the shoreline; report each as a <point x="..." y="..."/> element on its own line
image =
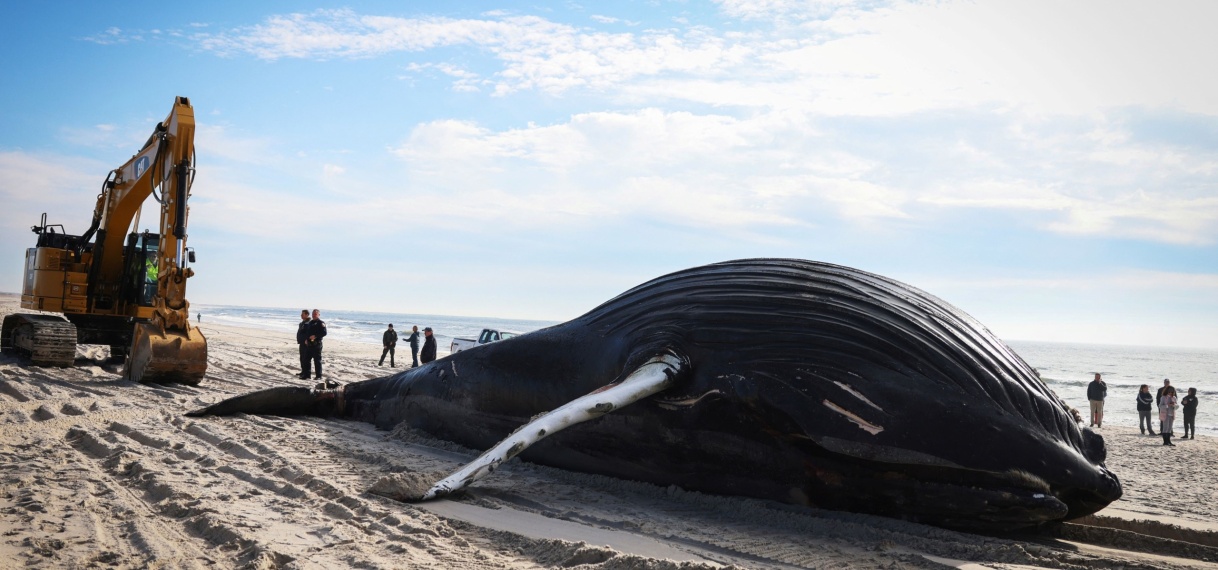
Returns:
<point x="102" y="472"/>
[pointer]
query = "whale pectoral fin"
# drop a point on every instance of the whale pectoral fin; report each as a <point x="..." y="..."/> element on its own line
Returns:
<point x="652" y="377"/>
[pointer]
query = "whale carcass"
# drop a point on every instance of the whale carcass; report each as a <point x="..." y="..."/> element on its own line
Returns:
<point x="790" y="380"/>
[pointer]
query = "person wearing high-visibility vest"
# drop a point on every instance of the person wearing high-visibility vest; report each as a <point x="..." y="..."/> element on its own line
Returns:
<point x="151" y="273"/>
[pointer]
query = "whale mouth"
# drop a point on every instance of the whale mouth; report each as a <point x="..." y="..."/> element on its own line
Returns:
<point x="955" y="497"/>
<point x="1000" y="508"/>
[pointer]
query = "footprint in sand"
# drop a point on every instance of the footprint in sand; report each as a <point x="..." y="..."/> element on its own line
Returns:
<point x="42" y="414"/>
<point x="70" y="409"/>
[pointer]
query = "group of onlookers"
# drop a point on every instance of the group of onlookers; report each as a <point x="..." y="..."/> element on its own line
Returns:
<point x="390" y="341"/>
<point x="1165" y="400"/>
<point x="311" y="331"/>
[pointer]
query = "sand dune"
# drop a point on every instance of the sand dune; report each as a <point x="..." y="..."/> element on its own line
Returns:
<point x="98" y="472"/>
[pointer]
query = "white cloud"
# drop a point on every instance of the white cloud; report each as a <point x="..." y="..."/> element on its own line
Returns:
<point x="1148" y="216"/>
<point x="464" y="79"/>
<point x="1047" y="82"/>
<point x="795" y="9"/>
<point x="846" y="58"/>
<point x="772" y="169"/>
<point x="1051" y="57"/>
<point x="215" y="142"/>
<point x="1123" y="279"/>
<point x="112" y="36"/>
<point x="684" y="169"/>
<point x="64" y="187"/>
<point x="535" y="53"/>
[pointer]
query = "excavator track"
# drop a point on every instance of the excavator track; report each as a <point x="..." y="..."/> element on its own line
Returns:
<point x="47" y="340"/>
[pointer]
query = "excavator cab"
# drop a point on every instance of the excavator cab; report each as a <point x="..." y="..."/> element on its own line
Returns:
<point x="141" y="268"/>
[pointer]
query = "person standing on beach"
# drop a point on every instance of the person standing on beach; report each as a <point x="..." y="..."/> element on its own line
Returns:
<point x="414" y="346"/>
<point x="1159" y="398"/>
<point x="1189" y="403"/>
<point x="1144" y="402"/>
<point x="316" y="331"/>
<point x="429" y="346"/>
<point x="390" y="340"/>
<point x="1167" y="414"/>
<point x="302" y="339"/>
<point x="1097" y="390"/>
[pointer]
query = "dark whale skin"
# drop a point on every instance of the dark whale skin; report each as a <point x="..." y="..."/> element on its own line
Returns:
<point x="807" y="383"/>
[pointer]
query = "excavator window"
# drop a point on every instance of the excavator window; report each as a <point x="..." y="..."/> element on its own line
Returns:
<point x="142" y="270"/>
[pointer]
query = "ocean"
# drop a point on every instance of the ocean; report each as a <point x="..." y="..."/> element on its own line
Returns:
<point x="1066" y="368"/>
<point x="361" y="326"/>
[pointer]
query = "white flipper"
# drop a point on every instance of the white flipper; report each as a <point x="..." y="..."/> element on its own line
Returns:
<point x="654" y="376"/>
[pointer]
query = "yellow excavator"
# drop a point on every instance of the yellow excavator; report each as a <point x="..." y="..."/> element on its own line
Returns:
<point x="114" y="285"/>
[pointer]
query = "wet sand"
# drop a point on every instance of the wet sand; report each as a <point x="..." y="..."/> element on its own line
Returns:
<point x="98" y="472"/>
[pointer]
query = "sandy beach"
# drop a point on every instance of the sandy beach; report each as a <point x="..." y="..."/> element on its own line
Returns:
<point x="98" y="472"/>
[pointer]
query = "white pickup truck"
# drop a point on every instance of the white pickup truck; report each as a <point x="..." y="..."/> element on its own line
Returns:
<point x="487" y="336"/>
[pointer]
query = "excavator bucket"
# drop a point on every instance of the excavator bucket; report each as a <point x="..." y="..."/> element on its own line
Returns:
<point x="160" y="356"/>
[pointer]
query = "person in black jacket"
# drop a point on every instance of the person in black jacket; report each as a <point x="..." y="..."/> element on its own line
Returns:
<point x="302" y="339"/>
<point x="390" y="340"/>
<point x="1189" y="403"/>
<point x="316" y="331"/>
<point x="1159" y="394"/>
<point x="414" y="346"/>
<point x="429" y="346"/>
<point x="1097" y="390"/>
<point x="1144" y="402"/>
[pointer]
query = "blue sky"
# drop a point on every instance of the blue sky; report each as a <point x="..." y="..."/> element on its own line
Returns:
<point x="1050" y="168"/>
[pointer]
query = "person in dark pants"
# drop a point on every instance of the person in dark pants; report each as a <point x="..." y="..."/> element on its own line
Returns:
<point x="414" y="346"/>
<point x="1189" y="404"/>
<point x="1144" y="401"/>
<point x="316" y="331"/>
<point x="390" y="340"/>
<point x="1167" y="414"/>
<point x="302" y="338"/>
<point x="429" y="346"/>
<point x="1159" y="398"/>
<point x="1097" y="390"/>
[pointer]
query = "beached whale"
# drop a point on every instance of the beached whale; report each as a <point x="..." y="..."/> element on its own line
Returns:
<point x="790" y="380"/>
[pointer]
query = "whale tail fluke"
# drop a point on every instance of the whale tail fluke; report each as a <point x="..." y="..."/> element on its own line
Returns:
<point x="652" y="377"/>
<point x="281" y="401"/>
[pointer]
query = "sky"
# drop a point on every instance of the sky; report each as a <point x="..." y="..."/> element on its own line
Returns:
<point x="1049" y="167"/>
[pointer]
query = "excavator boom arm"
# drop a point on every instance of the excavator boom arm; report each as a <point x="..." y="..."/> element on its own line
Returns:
<point x="162" y="168"/>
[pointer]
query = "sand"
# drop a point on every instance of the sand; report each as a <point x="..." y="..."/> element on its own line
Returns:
<point x="98" y="472"/>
